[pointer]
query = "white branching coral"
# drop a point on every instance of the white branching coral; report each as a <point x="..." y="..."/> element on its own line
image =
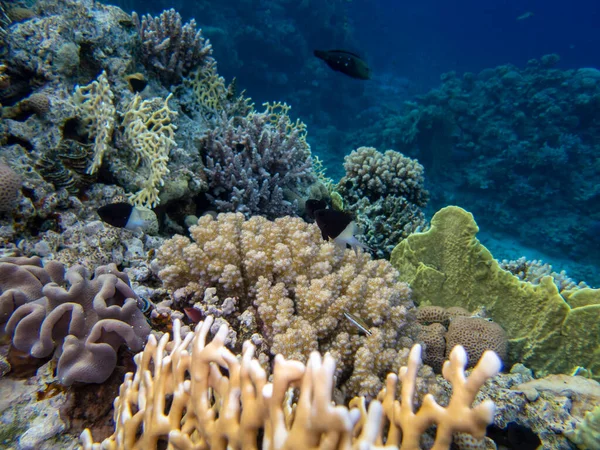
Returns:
<point x="189" y="394"/>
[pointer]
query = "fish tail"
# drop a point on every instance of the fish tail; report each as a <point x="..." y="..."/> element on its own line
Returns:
<point x="320" y="54"/>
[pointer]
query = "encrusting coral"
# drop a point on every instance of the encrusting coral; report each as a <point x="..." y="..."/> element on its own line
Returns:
<point x="188" y="393"/>
<point x="281" y="285"/>
<point x="46" y="308"/>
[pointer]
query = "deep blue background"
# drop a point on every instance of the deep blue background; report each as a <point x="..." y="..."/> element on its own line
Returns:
<point x="421" y="40"/>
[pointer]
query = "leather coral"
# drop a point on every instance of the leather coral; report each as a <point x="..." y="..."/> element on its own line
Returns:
<point x="50" y="310"/>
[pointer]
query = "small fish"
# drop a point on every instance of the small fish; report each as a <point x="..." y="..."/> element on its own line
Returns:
<point x="193" y="314"/>
<point x="311" y="205"/>
<point x="357" y="322"/>
<point x="340" y="227"/>
<point x="124" y="215"/>
<point x="137" y="82"/>
<point x="348" y="63"/>
<point x="526" y="15"/>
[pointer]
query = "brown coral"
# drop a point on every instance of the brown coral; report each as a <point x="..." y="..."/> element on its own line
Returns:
<point x="10" y="185"/>
<point x="476" y="335"/>
<point x="444" y="328"/>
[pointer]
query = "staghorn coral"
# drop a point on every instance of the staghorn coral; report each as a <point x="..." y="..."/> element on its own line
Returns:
<point x="254" y="162"/>
<point x="240" y="409"/>
<point x="170" y="49"/>
<point x="279" y="283"/>
<point x="48" y="308"/>
<point x="386" y="192"/>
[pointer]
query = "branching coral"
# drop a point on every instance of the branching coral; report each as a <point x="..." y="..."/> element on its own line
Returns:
<point x="169" y="48"/>
<point x="251" y="163"/>
<point x="97" y="111"/>
<point x="280" y="284"/>
<point x="241" y="410"/>
<point x="46" y="308"/>
<point x="149" y="133"/>
<point x="386" y="191"/>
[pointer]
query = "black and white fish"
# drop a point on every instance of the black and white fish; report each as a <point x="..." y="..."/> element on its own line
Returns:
<point x="124" y="215"/>
<point x="340" y="227"/>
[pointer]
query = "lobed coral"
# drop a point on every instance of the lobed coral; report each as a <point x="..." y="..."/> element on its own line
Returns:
<point x="386" y="191"/>
<point x="443" y="329"/>
<point x="279" y="284"/>
<point x="47" y="308"/>
<point x="219" y="400"/>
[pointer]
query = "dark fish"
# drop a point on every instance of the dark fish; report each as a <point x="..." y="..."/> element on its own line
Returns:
<point x="348" y="63"/>
<point x="514" y="436"/>
<point x="193" y="314"/>
<point x="124" y="215"/>
<point x="137" y="82"/>
<point x="338" y="226"/>
<point x="311" y="205"/>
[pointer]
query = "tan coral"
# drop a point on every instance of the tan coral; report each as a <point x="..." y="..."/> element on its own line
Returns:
<point x="298" y="287"/>
<point x="149" y="134"/>
<point x="220" y="401"/>
<point x="97" y="111"/>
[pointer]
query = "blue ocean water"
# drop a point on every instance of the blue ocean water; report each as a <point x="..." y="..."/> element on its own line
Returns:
<point x="268" y="47"/>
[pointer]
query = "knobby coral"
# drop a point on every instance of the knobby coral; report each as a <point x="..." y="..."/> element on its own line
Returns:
<point x="279" y="284"/>
<point x="386" y="191"/>
<point x="48" y="308"/>
<point x="238" y="408"/>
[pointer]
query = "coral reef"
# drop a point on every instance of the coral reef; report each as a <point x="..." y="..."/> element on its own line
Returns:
<point x="386" y="192"/>
<point x="487" y="145"/>
<point x="548" y="331"/>
<point x="46" y="308"/>
<point x="279" y="284"/>
<point x="232" y="410"/>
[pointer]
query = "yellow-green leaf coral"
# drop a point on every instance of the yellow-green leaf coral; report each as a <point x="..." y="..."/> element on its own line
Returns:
<point x="548" y="332"/>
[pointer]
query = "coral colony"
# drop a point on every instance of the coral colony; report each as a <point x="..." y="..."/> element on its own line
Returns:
<point x="177" y="271"/>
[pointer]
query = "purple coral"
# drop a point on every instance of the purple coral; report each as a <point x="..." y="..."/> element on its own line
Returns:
<point x="170" y="49"/>
<point x="48" y="308"/>
<point x="254" y="165"/>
